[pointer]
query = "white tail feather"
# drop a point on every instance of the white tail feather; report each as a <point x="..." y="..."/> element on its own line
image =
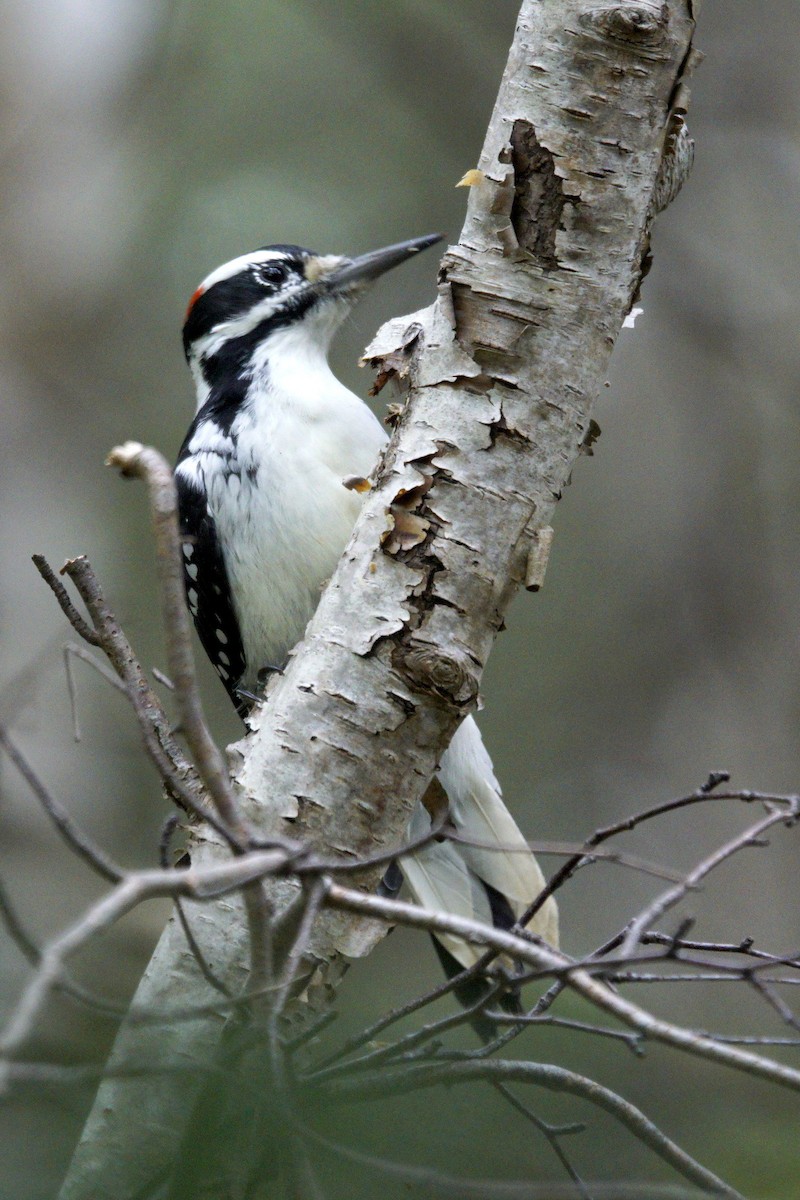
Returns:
<point x="441" y="881"/>
<point x="445" y="876"/>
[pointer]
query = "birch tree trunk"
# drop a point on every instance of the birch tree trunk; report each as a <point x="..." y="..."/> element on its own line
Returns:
<point x="585" y="144"/>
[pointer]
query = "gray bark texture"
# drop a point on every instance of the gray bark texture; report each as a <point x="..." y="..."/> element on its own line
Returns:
<point x="585" y="145"/>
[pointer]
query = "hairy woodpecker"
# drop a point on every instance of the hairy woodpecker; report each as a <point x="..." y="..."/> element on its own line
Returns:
<point x="265" y="515"/>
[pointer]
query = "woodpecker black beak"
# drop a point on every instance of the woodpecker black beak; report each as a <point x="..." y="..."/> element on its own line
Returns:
<point x="369" y="266"/>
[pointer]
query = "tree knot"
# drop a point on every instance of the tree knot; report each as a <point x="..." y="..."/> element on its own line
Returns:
<point x="642" y="26"/>
<point x="427" y="669"/>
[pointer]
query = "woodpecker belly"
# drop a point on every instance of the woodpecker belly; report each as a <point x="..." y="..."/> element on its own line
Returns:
<point x="283" y="520"/>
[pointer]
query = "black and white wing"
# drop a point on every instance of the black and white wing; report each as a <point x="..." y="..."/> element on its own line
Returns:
<point x="208" y="591"/>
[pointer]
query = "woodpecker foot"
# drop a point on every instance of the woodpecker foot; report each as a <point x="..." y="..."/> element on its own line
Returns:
<point x="261" y="680"/>
<point x="265" y="672"/>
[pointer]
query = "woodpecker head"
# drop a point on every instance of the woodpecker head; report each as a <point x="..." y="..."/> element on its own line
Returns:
<point x="245" y="303"/>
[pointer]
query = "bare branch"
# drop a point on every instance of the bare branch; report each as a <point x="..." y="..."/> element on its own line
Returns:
<point x="702" y="795"/>
<point x="72" y="650"/>
<point x="135" y="460"/>
<point x="577" y="978"/>
<point x="552" y="1133"/>
<point x="132" y="890"/>
<point x="675" y="894"/>
<point x="72" y="835"/>
<point x="30" y="951"/>
<point x="78" y="623"/>
<point x="163" y="679"/>
<point x="730" y="976"/>
<point x="438" y="1183"/>
<point x="773" y="999"/>
<point x="401" y="1048"/>
<point x="396" y="1014"/>
<point x="178" y="774"/>
<point x="616" y="857"/>
<point x="632" y="1040"/>
<point x="745" y="946"/>
<point x="194" y="946"/>
<point x="147" y="464"/>
<point x="397" y="1080"/>
<point x="15" y="929"/>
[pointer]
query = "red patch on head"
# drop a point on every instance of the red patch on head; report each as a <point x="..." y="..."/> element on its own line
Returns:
<point x="195" y="297"/>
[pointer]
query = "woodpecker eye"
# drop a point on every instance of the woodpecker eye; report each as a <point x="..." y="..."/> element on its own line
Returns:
<point x="271" y="273"/>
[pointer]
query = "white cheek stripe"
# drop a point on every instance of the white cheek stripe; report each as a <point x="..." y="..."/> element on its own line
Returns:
<point x="207" y="347"/>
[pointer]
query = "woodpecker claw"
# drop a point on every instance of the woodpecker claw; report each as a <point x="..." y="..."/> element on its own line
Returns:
<point x="267" y="670"/>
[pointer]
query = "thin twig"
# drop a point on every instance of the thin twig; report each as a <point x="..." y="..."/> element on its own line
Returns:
<point x="735" y="1040"/>
<point x="170" y="825"/>
<point x="615" y="857"/>
<point x="73" y="650"/>
<point x="401" y="1047"/>
<point x="501" y="1039"/>
<point x="72" y="835"/>
<point x="163" y="679"/>
<point x="15" y="929"/>
<point x="392" y="1081"/>
<point x="578" y="978"/>
<point x="178" y="774"/>
<point x="132" y="890"/>
<point x="312" y="902"/>
<point x="773" y="999"/>
<point x="729" y="976"/>
<point x="143" y="462"/>
<point x="632" y="1040"/>
<point x="702" y="795"/>
<point x="391" y="1018"/>
<point x="674" y="895"/>
<point x="73" y="697"/>
<point x="294" y="960"/>
<point x="30" y="951"/>
<point x="745" y="946"/>
<point x="19" y="690"/>
<point x="429" y="1182"/>
<point x="552" y="1134"/>
<point x="78" y="622"/>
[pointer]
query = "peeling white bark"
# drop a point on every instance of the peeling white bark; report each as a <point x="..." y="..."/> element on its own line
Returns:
<point x="581" y="152"/>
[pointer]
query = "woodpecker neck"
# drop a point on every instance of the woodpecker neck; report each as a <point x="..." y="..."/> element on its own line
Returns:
<point x="291" y="360"/>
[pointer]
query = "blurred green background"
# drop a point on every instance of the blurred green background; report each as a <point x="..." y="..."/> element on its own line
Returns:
<point x="145" y="142"/>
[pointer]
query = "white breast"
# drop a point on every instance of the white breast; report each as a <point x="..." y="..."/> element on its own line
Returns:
<point x="283" y="519"/>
